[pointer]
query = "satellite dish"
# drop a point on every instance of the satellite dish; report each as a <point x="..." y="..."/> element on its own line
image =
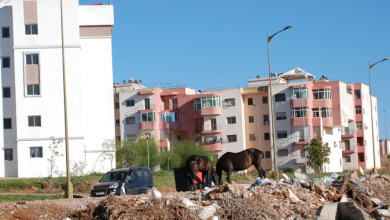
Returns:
<point x="136" y="82"/>
<point x="258" y="76"/>
<point x="131" y="80"/>
<point x="140" y="81"/>
<point x="124" y="81"/>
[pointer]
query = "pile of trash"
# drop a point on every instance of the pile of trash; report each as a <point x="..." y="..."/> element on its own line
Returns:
<point x="346" y="196"/>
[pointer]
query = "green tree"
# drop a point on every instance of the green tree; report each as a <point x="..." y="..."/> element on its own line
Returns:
<point x="180" y="151"/>
<point x="135" y="153"/>
<point x="317" y="153"/>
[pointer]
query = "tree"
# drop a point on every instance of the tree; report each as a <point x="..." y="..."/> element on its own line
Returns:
<point x="135" y="153"/>
<point x="54" y="153"/>
<point x="317" y="154"/>
<point x="108" y="152"/>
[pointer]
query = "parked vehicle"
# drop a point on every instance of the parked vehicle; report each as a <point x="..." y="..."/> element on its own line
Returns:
<point x="135" y="180"/>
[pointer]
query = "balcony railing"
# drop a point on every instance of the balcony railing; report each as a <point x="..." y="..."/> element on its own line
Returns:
<point x="300" y="138"/>
<point x="265" y="122"/>
<point x="348" y="147"/>
<point x="167" y="107"/>
<point x="145" y="107"/>
<point x="347" y="131"/>
<point x="212" y="128"/>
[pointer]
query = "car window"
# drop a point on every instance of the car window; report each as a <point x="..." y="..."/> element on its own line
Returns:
<point x="113" y="176"/>
<point x="147" y="173"/>
<point x="132" y="175"/>
<point x="140" y="174"/>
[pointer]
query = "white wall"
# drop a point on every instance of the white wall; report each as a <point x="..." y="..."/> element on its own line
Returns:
<point x="332" y="136"/>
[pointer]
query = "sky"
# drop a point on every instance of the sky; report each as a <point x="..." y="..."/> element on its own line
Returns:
<point x="207" y="44"/>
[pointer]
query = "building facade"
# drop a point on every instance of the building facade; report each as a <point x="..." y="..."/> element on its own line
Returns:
<point x="32" y="103"/>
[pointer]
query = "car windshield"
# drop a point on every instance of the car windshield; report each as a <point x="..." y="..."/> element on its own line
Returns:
<point x="113" y="176"/>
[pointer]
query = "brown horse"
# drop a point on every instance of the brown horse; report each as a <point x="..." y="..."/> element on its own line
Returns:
<point x="202" y="164"/>
<point x="240" y="161"/>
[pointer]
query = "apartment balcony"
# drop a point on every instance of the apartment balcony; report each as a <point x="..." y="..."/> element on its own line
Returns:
<point x="147" y="125"/>
<point x="146" y="108"/>
<point x="300" y="139"/>
<point x="347" y="133"/>
<point x="164" y="142"/>
<point x="298" y="159"/>
<point x="213" y="146"/>
<point x="301" y="121"/>
<point x="211" y="111"/>
<point x="348" y="149"/>
<point x="265" y="122"/>
<point x="169" y="92"/>
<point x="211" y="129"/>
<point x="147" y="91"/>
<point x="172" y="125"/>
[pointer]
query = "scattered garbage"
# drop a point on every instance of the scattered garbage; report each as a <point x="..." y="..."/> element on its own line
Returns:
<point x="155" y="193"/>
<point x="361" y="170"/>
<point x="260" y="181"/>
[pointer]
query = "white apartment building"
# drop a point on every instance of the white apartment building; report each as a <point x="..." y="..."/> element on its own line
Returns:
<point x="32" y="103"/>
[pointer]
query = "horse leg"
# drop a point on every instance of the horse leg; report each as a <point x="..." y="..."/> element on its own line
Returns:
<point x="203" y="179"/>
<point x="219" y="174"/>
<point x="229" y="172"/>
<point x="209" y="178"/>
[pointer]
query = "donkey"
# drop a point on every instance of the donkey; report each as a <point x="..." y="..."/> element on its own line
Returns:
<point x="195" y="164"/>
<point x="240" y="161"/>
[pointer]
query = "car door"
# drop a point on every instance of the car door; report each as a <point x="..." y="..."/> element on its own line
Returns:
<point x="132" y="183"/>
<point x="142" y="184"/>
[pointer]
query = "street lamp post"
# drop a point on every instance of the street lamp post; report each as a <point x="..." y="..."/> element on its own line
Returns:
<point x="372" y="116"/>
<point x="270" y="92"/>
<point x="147" y="145"/>
<point x="258" y="124"/>
<point x="385" y="123"/>
<point x="68" y="185"/>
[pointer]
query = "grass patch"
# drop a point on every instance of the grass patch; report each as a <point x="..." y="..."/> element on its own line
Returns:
<point x="16" y="198"/>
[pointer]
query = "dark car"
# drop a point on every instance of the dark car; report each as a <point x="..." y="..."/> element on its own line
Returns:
<point x="136" y="180"/>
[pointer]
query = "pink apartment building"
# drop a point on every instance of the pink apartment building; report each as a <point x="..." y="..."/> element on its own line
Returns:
<point x="235" y="119"/>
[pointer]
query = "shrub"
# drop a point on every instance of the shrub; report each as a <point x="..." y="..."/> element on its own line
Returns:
<point x="288" y="170"/>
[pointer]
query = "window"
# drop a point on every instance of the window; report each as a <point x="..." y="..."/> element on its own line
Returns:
<point x="147" y="117"/>
<point x="230" y="102"/>
<point x="232" y="138"/>
<point x="349" y="91"/>
<point x="147" y="103"/>
<point x="357" y="94"/>
<point x="358" y="109"/>
<point x="325" y="112"/>
<point x="359" y="125"/>
<point x="280" y="97"/>
<point x="361" y="157"/>
<point x="266" y="136"/>
<point x="8" y="154"/>
<point x="283" y="153"/>
<point x="197" y="105"/>
<point x="5" y="31"/>
<point x="282" y="134"/>
<point x="174" y="104"/>
<point x="231" y="120"/>
<point x="265" y="100"/>
<point x="6" y="92"/>
<point x="36" y="152"/>
<point x="131" y="136"/>
<point x="117" y="121"/>
<point x="298" y="93"/>
<point x="32" y="89"/>
<point x="7" y="123"/>
<point x="163" y="134"/>
<point x="322" y="94"/>
<point x="129" y="103"/>
<point x="265" y="120"/>
<point x="316" y="131"/>
<point x="198" y="127"/>
<point x="6" y="62"/>
<point x="34" y="121"/>
<point x="166" y="104"/>
<point x="281" y="116"/>
<point x="32" y="59"/>
<point x="250" y="101"/>
<point x="130" y="120"/>
<point x="251" y="119"/>
<point x="116" y="105"/>
<point x="211" y="101"/>
<point x="347" y="159"/>
<point x="268" y="154"/>
<point x="300" y="112"/>
<point x="169" y="116"/>
<point x="252" y="137"/>
<point x="31" y="29"/>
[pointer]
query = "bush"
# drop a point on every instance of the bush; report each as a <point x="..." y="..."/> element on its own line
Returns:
<point x="135" y="153"/>
<point x="271" y="174"/>
<point x="288" y="170"/>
